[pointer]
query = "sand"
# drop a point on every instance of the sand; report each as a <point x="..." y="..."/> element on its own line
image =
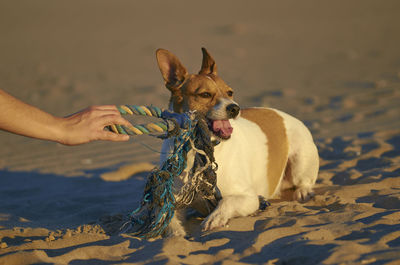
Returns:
<point x="334" y="65"/>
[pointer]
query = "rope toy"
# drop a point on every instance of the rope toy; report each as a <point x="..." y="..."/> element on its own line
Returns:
<point x="161" y="197"/>
<point x="140" y="129"/>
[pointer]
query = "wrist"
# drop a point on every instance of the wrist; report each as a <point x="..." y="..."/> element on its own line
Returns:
<point x="58" y="130"/>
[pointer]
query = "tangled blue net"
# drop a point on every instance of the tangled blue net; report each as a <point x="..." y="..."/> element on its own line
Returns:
<point x="160" y="198"/>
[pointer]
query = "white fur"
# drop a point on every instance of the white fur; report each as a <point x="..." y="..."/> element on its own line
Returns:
<point x="303" y="157"/>
<point x="241" y="175"/>
<point x="242" y="169"/>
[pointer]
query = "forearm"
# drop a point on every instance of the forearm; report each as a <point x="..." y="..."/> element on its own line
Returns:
<point x="82" y="127"/>
<point x="24" y="119"/>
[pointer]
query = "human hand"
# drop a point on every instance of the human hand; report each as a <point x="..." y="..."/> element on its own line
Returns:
<point x="88" y="125"/>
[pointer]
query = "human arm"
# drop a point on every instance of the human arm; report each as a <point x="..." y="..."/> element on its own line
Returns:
<point x="82" y="127"/>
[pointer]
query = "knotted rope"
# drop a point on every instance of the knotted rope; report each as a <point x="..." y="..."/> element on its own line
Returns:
<point x="140" y="129"/>
<point x="161" y="197"/>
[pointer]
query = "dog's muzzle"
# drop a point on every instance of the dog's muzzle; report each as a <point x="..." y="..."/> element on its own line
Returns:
<point x="219" y="122"/>
<point x="232" y="110"/>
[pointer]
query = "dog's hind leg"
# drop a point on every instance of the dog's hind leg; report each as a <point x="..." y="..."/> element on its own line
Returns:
<point x="303" y="160"/>
<point x="303" y="169"/>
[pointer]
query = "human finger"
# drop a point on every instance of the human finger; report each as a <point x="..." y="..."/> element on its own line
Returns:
<point x="111" y="119"/>
<point x="110" y="136"/>
<point x="95" y="112"/>
<point x="105" y="107"/>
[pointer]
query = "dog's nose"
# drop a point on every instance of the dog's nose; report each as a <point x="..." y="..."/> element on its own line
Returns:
<point x="232" y="110"/>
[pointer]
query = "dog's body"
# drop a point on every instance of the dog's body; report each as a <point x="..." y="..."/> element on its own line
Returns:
<point x="261" y="151"/>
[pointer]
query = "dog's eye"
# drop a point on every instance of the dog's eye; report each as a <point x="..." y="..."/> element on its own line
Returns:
<point x="229" y="93"/>
<point x="205" y="95"/>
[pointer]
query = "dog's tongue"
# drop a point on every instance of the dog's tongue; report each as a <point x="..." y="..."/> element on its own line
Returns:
<point x="222" y="127"/>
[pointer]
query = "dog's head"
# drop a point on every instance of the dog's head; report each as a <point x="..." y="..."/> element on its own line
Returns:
<point x="205" y="92"/>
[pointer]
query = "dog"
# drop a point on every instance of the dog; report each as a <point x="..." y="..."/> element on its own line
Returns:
<point x="262" y="151"/>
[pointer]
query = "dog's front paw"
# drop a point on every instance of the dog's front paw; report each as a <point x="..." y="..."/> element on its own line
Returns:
<point x="175" y="228"/>
<point x="214" y="220"/>
<point x="173" y="231"/>
<point x="303" y="194"/>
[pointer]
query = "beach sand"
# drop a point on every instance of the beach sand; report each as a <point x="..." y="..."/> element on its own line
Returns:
<point x="334" y="65"/>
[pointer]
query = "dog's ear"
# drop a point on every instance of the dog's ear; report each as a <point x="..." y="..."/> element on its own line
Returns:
<point x="208" y="65"/>
<point x="172" y="70"/>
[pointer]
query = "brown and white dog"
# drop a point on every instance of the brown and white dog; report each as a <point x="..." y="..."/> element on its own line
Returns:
<point x="262" y="150"/>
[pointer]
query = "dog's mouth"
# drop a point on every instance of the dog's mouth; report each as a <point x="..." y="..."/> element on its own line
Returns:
<point x="221" y="128"/>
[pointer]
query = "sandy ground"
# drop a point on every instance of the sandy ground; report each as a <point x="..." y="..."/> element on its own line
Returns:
<point x="335" y="65"/>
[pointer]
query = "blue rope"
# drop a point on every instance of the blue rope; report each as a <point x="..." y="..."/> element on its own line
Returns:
<point x="158" y="205"/>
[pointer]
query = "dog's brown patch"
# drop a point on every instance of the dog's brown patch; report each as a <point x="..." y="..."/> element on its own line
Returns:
<point x="278" y="147"/>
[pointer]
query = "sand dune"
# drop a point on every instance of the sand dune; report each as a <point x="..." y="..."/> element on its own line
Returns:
<point x="335" y="65"/>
